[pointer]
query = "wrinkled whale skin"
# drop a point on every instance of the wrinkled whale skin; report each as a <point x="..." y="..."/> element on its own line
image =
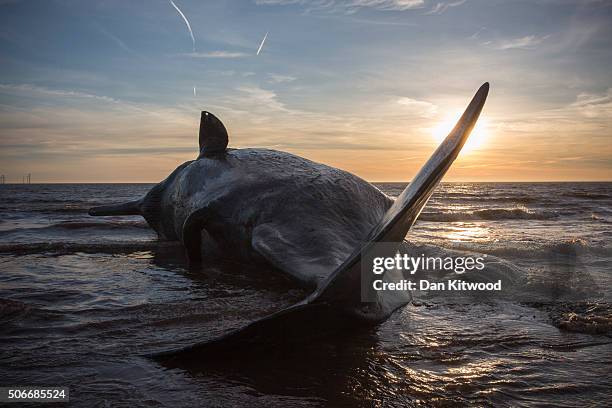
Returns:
<point x="245" y="190"/>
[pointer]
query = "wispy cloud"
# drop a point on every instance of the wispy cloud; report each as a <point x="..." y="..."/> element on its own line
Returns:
<point x="419" y="108"/>
<point x="527" y="42"/>
<point x="586" y="116"/>
<point x="353" y="6"/>
<point x="216" y="54"/>
<point x="594" y="105"/>
<point x="387" y="4"/>
<point x="75" y="125"/>
<point x="33" y="89"/>
<point x="279" y="79"/>
<point x="118" y="41"/>
<point x="260" y="97"/>
<point x="441" y="7"/>
<point x="582" y="30"/>
<point x="348" y="6"/>
<point x="477" y="34"/>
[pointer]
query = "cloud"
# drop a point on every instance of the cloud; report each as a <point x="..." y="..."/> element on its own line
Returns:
<point x="582" y="119"/>
<point x="278" y="78"/>
<point x="593" y="105"/>
<point x="353" y="6"/>
<point x="387" y="4"/>
<point x="442" y="7"/>
<point x="254" y="96"/>
<point x="33" y="89"/>
<point x="527" y="42"/>
<point x="477" y="34"/>
<point x="60" y="124"/>
<point x="420" y="108"/>
<point x="588" y="109"/>
<point x="118" y="41"/>
<point x="348" y="6"/>
<point x="216" y="54"/>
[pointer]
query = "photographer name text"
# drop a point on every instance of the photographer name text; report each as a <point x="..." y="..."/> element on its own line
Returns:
<point x="424" y="284"/>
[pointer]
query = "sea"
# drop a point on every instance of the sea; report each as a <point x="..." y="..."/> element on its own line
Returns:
<point x="85" y="301"/>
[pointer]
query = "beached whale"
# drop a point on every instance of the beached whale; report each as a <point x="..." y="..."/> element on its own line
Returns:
<point x="307" y="220"/>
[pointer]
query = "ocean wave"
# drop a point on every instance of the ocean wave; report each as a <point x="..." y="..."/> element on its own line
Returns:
<point x="583" y="317"/>
<point x="518" y="199"/>
<point x="48" y="209"/>
<point x="106" y="225"/>
<point x="86" y="225"/>
<point x="496" y="268"/>
<point x="490" y="214"/>
<point x="87" y="247"/>
<point x="70" y="209"/>
<point x="532" y="250"/>
<point x="563" y="282"/>
<point x="600" y="218"/>
<point x="587" y="195"/>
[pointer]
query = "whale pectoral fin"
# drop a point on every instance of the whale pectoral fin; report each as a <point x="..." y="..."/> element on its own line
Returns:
<point x="191" y="235"/>
<point x="129" y="208"/>
<point x="297" y="252"/>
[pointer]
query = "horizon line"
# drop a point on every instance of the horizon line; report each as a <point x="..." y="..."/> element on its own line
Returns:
<point x="372" y="182"/>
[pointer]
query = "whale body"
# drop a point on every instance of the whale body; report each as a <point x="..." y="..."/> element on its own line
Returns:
<point x="311" y="222"/>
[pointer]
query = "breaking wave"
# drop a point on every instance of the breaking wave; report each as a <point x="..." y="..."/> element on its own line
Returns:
<point x="583" y="317"/>
<point x="516" y="250"/>
<point x="490" y="214"/>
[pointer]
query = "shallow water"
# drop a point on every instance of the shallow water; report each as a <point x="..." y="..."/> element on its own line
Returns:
<point x="83" y="301"/>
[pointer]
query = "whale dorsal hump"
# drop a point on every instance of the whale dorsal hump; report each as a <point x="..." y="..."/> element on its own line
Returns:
<point x="213" y="135"/>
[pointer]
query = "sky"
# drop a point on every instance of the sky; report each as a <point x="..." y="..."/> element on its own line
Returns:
<point x="111" y="90"/>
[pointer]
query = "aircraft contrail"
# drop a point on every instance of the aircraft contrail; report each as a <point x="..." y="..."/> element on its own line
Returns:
<point x="262" y="43"/>
<point x="186" y="22"/>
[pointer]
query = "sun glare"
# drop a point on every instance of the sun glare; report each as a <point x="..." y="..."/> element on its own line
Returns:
<point x="476" y="140"/>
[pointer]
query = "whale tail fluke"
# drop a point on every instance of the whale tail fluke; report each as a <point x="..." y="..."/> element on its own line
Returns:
<point x="337" y="302"/>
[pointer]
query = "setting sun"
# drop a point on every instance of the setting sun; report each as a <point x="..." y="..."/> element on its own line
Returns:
<point x="477" y="139"/>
